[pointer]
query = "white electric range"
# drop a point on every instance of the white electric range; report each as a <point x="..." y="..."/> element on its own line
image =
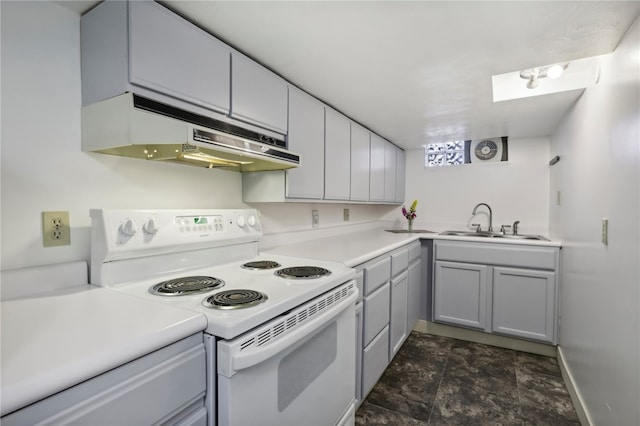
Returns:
<point x="280" y="330"/>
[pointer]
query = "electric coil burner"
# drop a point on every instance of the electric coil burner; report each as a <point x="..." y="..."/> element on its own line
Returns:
<point x="302" y="272"/>
<point x="261" y="264"/>
<point x="186" y="285"/>
<point x="234" y="299"/>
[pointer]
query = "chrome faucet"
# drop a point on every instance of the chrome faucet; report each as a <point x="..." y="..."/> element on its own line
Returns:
<point x="515" y="227"/>
<point x="490" y="215"/>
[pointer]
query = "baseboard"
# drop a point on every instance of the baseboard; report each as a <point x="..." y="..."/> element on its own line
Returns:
<point x="485" y="338"/>
<point x="574" y="393"/>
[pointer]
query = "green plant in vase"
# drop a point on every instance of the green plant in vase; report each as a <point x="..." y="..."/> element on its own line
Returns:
<point x="410" y="214"/>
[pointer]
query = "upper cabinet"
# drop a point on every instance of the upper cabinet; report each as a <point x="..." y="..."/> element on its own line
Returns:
<point x="258" y="96"/>
<point x="337" y="151"/>
<point x="140" y="47"/>
<point x="390" y="169"/>
<point x="400" y="175"/>
<point x="306" y="138"/>
<point x="360" y="153"/>
<point x="376" y="174"/>
<point x="145" y="48"/>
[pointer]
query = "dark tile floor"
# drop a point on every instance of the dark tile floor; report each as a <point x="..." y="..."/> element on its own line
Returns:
<point x="436" y="380"/>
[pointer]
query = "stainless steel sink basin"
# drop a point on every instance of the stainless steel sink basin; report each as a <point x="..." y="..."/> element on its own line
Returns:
<point x="521" y="237"/>
<point x="493" y="235"/>
<point x="467" y="234"/>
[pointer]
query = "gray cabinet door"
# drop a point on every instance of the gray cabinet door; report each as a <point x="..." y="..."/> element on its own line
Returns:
<point x="306" y="138"/>
<point x="524" y="303"/>
<point x="258" y="96"/>
<point x="460" y="294"/>
<point x="171" y="56"/>
<point x="337" y="156"/>
<point x="359" y="348"/>
<point x="376" y="173"/>
<point x="413" y="295"/>
<point x="360" y="152"/>
<point x="390" y="167"/>
<point x="398" y="316"/>
<point x="400" y="175"/>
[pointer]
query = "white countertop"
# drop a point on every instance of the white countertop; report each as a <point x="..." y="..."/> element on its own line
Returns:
<point x="54" y="340"/>
<point x="355" y="248"/>
<point x="351" y="248"/>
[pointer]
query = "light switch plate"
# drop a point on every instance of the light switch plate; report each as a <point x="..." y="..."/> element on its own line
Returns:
<point x="605" y="231"/>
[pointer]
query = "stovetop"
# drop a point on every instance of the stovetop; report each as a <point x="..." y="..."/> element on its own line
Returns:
<point x="135" y="250"/>
<point x="282" y="294"/>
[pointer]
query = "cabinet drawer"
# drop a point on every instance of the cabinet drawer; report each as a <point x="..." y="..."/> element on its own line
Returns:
<point x="498" y="254"/>
<point x="414" y="251"/>
<point x="163" y="382"/>
<point x="375" y="359"/>
<point x="399" y="261"/>
<point x="376" y="312"/>
<point x="376" y="275"/>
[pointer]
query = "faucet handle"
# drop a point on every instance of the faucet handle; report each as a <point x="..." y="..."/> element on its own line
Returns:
<point x="503" y="229"/>
<point x="478" y="227"/>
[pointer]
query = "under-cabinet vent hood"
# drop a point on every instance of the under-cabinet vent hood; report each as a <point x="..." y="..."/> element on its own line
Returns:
<point x="132" y="126"/>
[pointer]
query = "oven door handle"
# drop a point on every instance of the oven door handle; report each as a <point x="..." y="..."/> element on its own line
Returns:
<point x="253" y="357"/>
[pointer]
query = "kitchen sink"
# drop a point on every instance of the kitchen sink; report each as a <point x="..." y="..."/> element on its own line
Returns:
<point x="521" y="237"/>
<point x="493" y="235"/>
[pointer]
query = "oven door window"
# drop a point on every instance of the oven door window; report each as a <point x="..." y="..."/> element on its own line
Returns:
<point x="303" y="366"/>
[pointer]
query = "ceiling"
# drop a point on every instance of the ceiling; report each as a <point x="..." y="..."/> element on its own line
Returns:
<point x="418" y="71"/>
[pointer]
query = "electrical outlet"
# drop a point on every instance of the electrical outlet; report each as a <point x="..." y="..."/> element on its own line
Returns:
<point x="55" y="229"/>
<point x="315" y="218"/>
<point x="345" y="215"/>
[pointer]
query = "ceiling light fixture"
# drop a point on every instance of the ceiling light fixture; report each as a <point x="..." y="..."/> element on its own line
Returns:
<point x="552" y="71"/>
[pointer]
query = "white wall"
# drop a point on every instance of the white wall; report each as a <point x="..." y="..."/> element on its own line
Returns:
<point x="516" y="190"/>
<point x="43" y="167"/>
<point x="599" y="177"/>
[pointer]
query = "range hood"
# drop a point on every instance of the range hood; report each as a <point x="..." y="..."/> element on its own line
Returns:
<point x="133" y="126"/>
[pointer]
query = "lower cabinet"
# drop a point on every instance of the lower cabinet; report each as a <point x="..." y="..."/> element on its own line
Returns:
<point x="359" y="309"/>
<point x="166" y="386"/>
<point x="497" y="288"/>
<point x="460" y="294"/>
<point x="376" y="313"/>
<point x="375" y="358"/>
<point x="398" y="316"/>
<point x="414" y="293"/>
<point x="524" y="303"/>
<point x="391" y="290"/>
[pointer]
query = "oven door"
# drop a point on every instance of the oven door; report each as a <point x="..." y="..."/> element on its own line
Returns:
<point x="296" y="370"/>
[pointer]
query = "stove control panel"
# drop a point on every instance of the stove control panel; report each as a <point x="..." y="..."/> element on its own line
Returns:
<point x="200" y="223"/>
<point x="122" y="234"/>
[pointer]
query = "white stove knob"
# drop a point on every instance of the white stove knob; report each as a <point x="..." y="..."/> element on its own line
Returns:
<point x="150" y="227"/>
<point x="240" y="220"/>
<point x="128" y="228"/>
<point x="252" y="221"/>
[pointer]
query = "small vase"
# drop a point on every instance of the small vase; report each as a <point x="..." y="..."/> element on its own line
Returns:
<point x="410" y="225"/>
